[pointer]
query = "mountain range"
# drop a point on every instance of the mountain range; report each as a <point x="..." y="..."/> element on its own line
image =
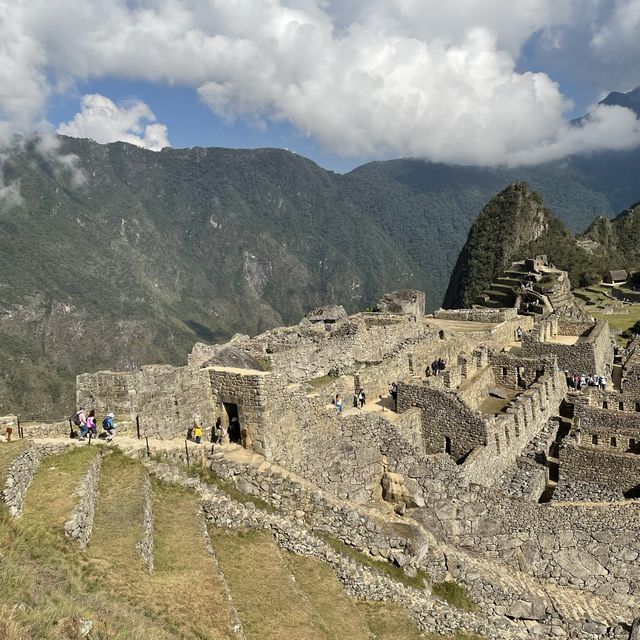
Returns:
<point x="157" y="250"/>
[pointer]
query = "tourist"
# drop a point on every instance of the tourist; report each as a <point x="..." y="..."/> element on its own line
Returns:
<point x="361" y="399"/>
<point x="190" y="433"/>
<point x="519" y="334"/>
<point x="434" y="367"/>
<point x="442" y="363"/>
<point x="339" y="403"/>
<point x="393" y="390"/>
<point x="92" y="426"/>
<point x="603" y="383"/>
<point x="216" y="432"/>
<point x="80" y="420"/>
<point x="197" y="432"/>
<point x="109" y="426"/>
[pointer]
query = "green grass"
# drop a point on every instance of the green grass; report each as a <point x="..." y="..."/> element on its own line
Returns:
<point x="389" y="621"/>
<point x="270" y="604"/>
<point x="54" y="584"/>
<point x="319" y="383"/>
<point x="186" y="588"/>
<point x="118" y="527"/>
<point x="454" y="594"/>
<point x="341" y="619"/>
<point x="393" y="571"/>
<point x="51" y="498"/>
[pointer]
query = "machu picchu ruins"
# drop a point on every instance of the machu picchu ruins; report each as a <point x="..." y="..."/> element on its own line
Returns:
<point x="498" y="450"/>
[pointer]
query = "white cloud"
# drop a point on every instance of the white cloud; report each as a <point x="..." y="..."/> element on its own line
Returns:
<point x="101" y="120"/>
<point x="376" y="77"/>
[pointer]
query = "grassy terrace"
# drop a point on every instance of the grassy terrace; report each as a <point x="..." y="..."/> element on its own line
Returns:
<point x="270" y="604"/>
<point x="8" y="453"/>
<point x="597" y="304"/>
<point x="58" y="587"/>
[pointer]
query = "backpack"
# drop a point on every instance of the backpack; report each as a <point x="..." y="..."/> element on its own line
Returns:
<point x="105" y="424"/>
<point x="76" y="419"/>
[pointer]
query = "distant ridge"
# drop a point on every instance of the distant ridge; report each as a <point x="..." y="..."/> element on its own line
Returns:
<point x="157" y="251"/>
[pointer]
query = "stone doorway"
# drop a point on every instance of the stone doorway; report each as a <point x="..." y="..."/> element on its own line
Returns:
<point x="231" y="410"/>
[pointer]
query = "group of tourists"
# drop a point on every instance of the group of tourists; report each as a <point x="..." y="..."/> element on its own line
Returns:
<point x="578" y="380"/>
<point x="88" y="425"/>
<point x="235" y="433"/>
<point x="437" y="367"/>
<point x="359" y="400"/>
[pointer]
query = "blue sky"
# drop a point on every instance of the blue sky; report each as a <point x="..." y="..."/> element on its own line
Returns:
<point x="191" y="123"/>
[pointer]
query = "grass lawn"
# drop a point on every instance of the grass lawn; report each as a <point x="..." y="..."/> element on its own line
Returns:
<point x="270" y="604"/>
<point x="52" y="496"/>
<point x="186" y="586"/>
<point x="47" y="585"/>
<point x="389" y="621"/>
<point x="342" y="619"/>
<point x="623" y="316"/>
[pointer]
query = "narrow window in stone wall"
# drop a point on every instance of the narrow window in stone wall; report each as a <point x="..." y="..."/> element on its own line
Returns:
<point x="632" y="445"/>
<point x="605" y="405"/>
<point x="497" y="443"/>
<point x="505" y="372"/>
<point x="614" y="442"/>
<point x="637" y="406"/>
<point x="594" y="439"/>
<point x="621" y="406"/>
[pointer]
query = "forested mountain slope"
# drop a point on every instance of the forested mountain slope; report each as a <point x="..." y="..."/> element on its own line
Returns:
<point x="158" y="250"/>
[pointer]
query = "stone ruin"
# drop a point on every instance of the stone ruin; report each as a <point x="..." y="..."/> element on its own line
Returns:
<point x="494" y="456"/>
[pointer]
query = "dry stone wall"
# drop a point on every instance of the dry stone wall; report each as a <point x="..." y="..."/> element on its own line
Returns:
<point x="80" y="525"/>
<point x="21" y="474"/>
<point x="600" y="467"/>
<point x="591" y="354"/>
<point x="165" y="398"/>
<point x="447" y="422"/>
<point x="478" y="314"/>
<point x="320" y="511"/>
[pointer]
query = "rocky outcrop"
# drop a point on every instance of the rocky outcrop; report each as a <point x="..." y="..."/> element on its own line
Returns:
<point x="328" y="314"/>
<point x="512" y="219"/>
<point x="407" y="301"/>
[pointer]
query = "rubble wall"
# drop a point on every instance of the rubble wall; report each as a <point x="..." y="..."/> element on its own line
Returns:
<point x="165" y="398"/>
<point x="597" y="465"/>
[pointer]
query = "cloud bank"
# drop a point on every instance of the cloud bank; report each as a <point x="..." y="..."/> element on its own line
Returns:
<point x="101" y="120"/>
<point x="430" y="79"/>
